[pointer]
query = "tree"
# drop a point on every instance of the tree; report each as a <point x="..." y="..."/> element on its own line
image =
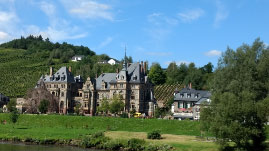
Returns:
<point x="194" y="76"/>
<point x="156" y="74"/>
<point x="172" y="73"/>
<point x="36" y="95"/>
<point x="116" y="105"/>
<point x="182" y="72"/>
<point x="104" y="107"/>
<point x="239" y="107"/>
<point x="77" y="108"/>
<point x="43" y="106"/>
<point x="11" y="106"/>
<point x="14" y="116"/>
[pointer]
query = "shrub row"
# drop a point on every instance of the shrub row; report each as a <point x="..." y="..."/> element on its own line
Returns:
<point x="99" y="141"/>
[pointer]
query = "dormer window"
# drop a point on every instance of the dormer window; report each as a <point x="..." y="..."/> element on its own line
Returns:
<point x="189" y="95"/>
<point x="135" y="77"/>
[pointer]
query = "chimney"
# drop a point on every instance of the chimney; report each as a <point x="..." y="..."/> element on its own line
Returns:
<point x="70" y="69"/>
<point x="190" y="86"/>
<point x="51" y="71"/>
<point x="145" y="67"/>
<point x="141" y="66"/>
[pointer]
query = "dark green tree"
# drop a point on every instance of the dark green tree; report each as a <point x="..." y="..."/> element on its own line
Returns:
<point x="194" y="76"/>
<point x="156" y="74"/>
<point x="104" y="107"/>
<point x="14" y="116"/>
<point x="116" y="105"/>
<point x="172" y="73"/>
<point x="11" y="106"/>
<point x="238" y="111"/>
<point x="43" y="106"/>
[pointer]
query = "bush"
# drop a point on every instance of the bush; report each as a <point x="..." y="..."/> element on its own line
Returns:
<point x="14" y="116"/>
<point x="154" y="135"/>
<point x="114" y="145"/>
<point x="95" y="140"/>
<point x="124" y="115"/>
<point x="135" y="144"/>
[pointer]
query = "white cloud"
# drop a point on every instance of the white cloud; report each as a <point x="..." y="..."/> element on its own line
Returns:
<point x="59" y="28"/>
<point x="88" y="9"/>
<point x="191" y="15"/>
<point x="160" y="26"/>
<point x="213" y="53"/>
<point x="222" y="13"/>
<point x="48" y="8"/>
<point x="4" y="37"/>
<point x="159" y="54"/>
<point x="159" y="19"/>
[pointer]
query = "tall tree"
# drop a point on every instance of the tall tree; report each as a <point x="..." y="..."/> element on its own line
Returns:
<point x="240" y="98"/>
<point x="156" y="74"/>
<point x="194" y="76"/>
<point x="172" y="73"/>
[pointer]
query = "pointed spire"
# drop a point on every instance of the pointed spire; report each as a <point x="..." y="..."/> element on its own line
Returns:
<point x="124" y="63"/>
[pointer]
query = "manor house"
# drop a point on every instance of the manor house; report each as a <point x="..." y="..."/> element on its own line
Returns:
<point x="131" y="84"/>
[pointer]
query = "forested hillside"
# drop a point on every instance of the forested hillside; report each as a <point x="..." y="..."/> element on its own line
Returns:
<point x="23" y="61"/>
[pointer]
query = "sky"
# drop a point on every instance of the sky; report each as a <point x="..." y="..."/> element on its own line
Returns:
<point x="162" y="31"/>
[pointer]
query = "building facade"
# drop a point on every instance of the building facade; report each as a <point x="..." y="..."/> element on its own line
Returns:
<point x="3" y="100"/>
<point x="187" y="103"/>
<point x="131" y="83"/>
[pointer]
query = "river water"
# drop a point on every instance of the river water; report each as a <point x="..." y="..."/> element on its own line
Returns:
<point x="23" y="147"/>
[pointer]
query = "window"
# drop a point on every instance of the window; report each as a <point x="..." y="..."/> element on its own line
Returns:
<point x="80" y="94"/>
<point x="86" y="95"/>
<point x="133" y="86"/>
<point x="85" y="104"/>
<point x="132" y="96"/>
<point x="115" y="86"/>
<point x="62" y="94"/>
<point x="133" y="106"/>
<point x="121" y="85"/>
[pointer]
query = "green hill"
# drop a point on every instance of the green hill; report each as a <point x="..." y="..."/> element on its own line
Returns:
<point x="19" y="71"/>
<point x="23" y="61"/>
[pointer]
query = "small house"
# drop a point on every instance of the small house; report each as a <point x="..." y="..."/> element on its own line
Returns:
<point x="187" y="103"/>
<point x="77" y="58"/>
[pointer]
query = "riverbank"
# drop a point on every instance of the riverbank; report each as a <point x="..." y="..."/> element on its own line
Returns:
<point x="72" y="130"/>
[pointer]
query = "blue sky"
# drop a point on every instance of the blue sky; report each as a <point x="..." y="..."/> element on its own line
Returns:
<point x="152" y="30"/>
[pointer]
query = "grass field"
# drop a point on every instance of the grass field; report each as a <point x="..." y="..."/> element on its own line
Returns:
<point x="180" y="134"/>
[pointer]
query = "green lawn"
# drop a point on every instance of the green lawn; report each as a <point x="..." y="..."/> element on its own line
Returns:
<point x="74" y="127"/>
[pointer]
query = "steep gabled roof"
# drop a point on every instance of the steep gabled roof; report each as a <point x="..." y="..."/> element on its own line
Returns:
<point x="107" y="78"/>
<point x="194" y="95"/>
<point x="62" y="75"/>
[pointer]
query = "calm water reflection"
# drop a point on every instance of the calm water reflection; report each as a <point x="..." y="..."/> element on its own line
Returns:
<point x="22" y="147"/>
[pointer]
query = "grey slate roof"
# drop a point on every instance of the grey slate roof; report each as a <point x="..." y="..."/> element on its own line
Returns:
<point x="107" y="78"/>
<point x="133" y="72"/>
<point x="62" y="75"/>
<point x="197" y="96"/>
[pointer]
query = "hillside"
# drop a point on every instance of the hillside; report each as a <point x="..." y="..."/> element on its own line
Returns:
<point x="165" y="92"/>
<point x="20" y="71"/>
<point x="23" y="61"/>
